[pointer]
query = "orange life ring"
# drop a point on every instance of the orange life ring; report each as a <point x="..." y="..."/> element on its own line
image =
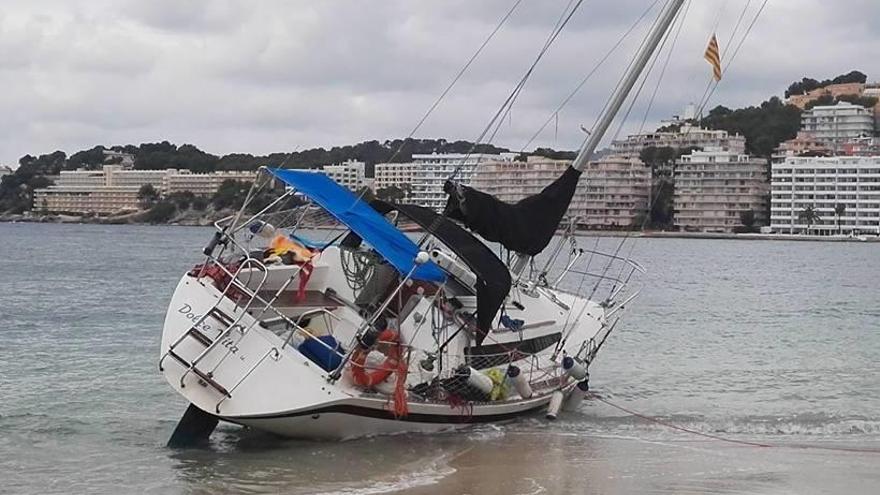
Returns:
<point x="378" y="375"/>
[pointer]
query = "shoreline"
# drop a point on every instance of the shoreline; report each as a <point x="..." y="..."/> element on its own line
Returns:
<point x="208" y="220"/>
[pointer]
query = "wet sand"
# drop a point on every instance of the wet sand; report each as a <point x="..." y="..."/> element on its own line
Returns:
<point x="555" y="463"/>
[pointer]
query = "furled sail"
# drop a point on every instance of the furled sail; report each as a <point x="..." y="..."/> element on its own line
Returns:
<point x="526" y="226"/>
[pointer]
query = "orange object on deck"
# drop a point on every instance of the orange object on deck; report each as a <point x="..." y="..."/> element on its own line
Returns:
<point x="281" y="245"/>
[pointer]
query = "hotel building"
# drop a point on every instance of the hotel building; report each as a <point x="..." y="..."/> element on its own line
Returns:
<point x="114" y="188"/>
<point x="432" y="171"/>
<point x="350" y="174"/>
<point x="617" y="192"/>
<point x="835" y="124"/>
<point x="399" y="175"/>
<point x="686" y="136"/>
<point x="714" y="187"/>
<point x="823" y="183"/>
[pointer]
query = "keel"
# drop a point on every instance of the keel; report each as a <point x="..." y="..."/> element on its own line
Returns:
<point x="193" y="428"/>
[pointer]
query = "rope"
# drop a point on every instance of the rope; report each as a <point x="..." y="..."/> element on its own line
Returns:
<point x="593" y="395"/>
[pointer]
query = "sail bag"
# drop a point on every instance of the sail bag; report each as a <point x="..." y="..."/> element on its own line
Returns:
<point x="526" y="226"/>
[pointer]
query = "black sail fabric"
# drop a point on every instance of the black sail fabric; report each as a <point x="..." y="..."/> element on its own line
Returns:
<point x="526" y="226"/>
<point x="493" y="277"/>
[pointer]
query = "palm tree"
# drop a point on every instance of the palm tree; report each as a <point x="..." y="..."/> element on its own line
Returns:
<point x="839" y="211"/>
<point x="809" y="215"/>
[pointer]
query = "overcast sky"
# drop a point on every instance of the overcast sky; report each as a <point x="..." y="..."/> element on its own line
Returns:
<point x="264" y="76"/>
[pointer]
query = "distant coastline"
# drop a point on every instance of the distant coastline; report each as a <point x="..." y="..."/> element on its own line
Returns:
<point x="201" y="219"/>
<point x="188" y="218"/>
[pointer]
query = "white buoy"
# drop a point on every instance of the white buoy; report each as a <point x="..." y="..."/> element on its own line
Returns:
<point x="477" y="380"/>
<point x="555" y="404"/>
<point x="576" y="396"/>
<point x="520" y="382"/>
<point x="573" y="368"/>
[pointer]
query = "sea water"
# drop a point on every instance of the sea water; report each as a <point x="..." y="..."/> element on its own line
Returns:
<point x="775" y="343"/>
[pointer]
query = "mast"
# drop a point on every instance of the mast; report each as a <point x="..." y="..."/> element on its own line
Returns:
<point x="667" y="16"/>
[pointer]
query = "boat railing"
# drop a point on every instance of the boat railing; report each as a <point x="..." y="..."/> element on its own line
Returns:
<point x="265" y="306"/>
<point x="615" y="271"/>
<point x="234" y="324"/>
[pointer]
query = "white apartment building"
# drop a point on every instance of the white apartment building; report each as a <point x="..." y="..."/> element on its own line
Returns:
<point x="618" y="189"/>
<point x="686" y="136"/>
<point x="513" y="180"/>
<point x="116" y="175"/>
<point x="102" y="200"/>
<point x="714" y="187"/>
<point x="399" y="175"/>
<point x="823" y="183"/>
<point x="115" y="188"/>
<point x="612" y="192"/>
<point x="178" y="181"/>
<point x="350" y="174"/>
<point x="838" y="123"/>
<point x="81" y="178"/>
<point x="433" y="170"/>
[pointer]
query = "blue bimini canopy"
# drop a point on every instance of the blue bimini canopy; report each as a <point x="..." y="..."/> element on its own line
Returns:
<point x="363" y="220"/>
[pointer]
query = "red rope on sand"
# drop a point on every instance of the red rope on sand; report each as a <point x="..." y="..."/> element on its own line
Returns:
<point x="728" y="440"/>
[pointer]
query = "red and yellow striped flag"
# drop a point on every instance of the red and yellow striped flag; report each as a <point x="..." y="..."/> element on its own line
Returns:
<point x="713" y="56"/>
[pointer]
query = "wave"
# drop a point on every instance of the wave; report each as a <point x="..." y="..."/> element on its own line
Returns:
<point x="430" y="474"/>
<point x="804" y="424"/>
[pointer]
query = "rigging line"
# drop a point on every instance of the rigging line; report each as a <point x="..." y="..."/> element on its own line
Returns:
<point x="508" y="104"/>
<point x="738" y="46"/>
<point x="610" y="261"/>
<point x="559" y="343"/>
<point x="665" y="66"/>
<point x="451" y="84"/>
<point x="644" y="79"/>
<point x="554" y="34"/>
<point x="457" y="77"/>
<point x="709" y="85"/>
<point x="560" y="23"/>
<point x="681" y="21"/>
<point x="718" y="17"/>
<point x="589" y="75"/>
<point x="623" y="75"/>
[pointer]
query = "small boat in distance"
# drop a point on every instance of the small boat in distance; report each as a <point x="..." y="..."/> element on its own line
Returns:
<point x="362" y="330"/>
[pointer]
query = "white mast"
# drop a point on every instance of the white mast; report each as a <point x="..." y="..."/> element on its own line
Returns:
<point x="667" y="16"/>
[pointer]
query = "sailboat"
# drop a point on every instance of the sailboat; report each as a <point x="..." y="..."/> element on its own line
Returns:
<point x="374" y="332"/>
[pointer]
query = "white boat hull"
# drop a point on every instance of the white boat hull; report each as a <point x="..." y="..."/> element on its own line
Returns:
<point x="238" y="370"/>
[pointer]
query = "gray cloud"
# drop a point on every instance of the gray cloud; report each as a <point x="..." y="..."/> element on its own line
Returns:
<point x="233" y="75"/>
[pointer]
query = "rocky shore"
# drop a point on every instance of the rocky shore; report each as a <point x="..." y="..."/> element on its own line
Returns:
<point x="186" y="217"/>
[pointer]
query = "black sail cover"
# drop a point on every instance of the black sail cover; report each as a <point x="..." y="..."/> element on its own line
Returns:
<point x="493" y="277"/>
<point x="526" y="226"/>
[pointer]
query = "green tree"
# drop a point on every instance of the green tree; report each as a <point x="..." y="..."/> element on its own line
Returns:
<point x="199" y="203"/>
<point x="764" y="126"/>
<point x="809" y="215"/>
<point x="182" y="199"/>
<point x="147" y="195"/>
<point x="230" y="194"/>
<point x="747" y="218"/>
<point x="839" y="211"/>
<point x="392" y="194"/>
<point x="161" y="212"/>
<point x="807" y="84"/>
